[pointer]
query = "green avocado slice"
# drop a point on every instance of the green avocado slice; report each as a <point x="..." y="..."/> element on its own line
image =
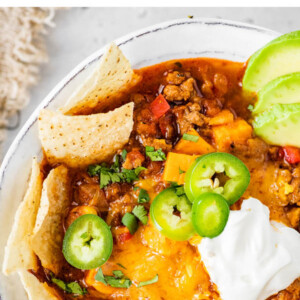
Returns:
<point x="282" y="90"/>
<point x="280" y="125"/>
<point x="279" y="57"/>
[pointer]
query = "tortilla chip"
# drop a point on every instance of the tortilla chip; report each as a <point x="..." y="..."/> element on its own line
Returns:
<point x="35" y="289"/>
<point x="48" y="232"/>
<point x="111" y="77"/>
<point x="78" y="141"/>
<point x="18" y="252"/>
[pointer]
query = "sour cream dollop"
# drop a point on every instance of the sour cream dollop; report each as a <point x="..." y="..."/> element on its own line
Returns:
<point x="252" y="258"/>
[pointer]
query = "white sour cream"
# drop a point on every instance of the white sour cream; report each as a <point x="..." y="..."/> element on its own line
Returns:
<point x="252" y="258"/>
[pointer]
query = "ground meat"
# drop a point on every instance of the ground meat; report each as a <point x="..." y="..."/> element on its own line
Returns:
<point x="182" y="92"/>
<point x="255" y="148"/>
<point x="189" y="115"/>
<point x="211" y="107"/>
<point x="145" y="123"/>
<point x="175" y="78"/>
<point x="221" y="84"/>
<point x="137" y="98"/>
<point x="156" y="143"/>
<point x="113" y="192"/>
<point x="134" y="159"/>
<point x="119" y="208"/>
<point x="207" y="89"/>
<point x="91" y="194"/>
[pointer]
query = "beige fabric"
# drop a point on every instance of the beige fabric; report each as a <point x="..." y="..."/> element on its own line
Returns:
<point x="18" y="252"/>
<point x="35" y="289"/>
<point x="48" y="233"/>
<point x="21" y="53"/>
<point x="78" y="141"/>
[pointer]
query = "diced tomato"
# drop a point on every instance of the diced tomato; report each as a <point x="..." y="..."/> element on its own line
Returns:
<point x="291" y="154"/>
<point x="159" y="106"/>
<point x="123" y="237"/>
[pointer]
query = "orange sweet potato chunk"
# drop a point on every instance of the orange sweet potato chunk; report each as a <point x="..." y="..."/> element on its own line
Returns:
<point x="189" y="147"/>
<point x="237" y="132"/>
<point x="176" y="166"/>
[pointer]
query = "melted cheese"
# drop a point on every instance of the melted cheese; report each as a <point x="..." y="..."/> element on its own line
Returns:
<point x="252" y="259"/>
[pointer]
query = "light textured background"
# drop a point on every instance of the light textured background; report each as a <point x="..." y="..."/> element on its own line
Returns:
<point x="81" y="31"/>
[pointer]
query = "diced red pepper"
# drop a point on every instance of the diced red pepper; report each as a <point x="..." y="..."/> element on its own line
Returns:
<point x="159" y="106"/>
<point x="291" y="154"/>
<point x="123" y="237"/>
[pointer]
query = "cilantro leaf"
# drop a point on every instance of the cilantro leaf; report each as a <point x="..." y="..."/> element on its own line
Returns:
<point x="181" y="171"/>
<point x="113" y="173"/>
<point x="190" y="137"/>
<point x="75" y="288"/>
<point x="130" y="221"/>
<point x="121" y="266"/>
<point x="140" y="212"/>
<point x="150" y="281"/>
<point x="138" y="170"/>
<point x="157" y="155"/>
<point x="118" y="282"/>
<point x="143" y="196"/>
<point x="93" y="170"/>
<point x="100" y="277"/>
<point x="71" y="287"/>
<point x="118" y="274"/>
<point x="124" y="154"/>
<point x="61" y="284"/>
<point x="250" y="107"/>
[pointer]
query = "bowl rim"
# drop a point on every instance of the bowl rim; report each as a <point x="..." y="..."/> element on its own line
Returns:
<point x="95" y="56"/>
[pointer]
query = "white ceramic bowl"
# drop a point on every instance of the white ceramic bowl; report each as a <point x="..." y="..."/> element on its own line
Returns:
<point x="174" y="39"/>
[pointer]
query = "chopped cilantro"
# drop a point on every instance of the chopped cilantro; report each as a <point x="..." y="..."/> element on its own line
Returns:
<point x="140" y="212"/>
<point x="181" y="171"/>
<point x="117" y="280"/>
<point x="251" y="107"/>
<point x="61" y="284"/>
<point x="190" y="137"/>
<point x="113" y="173"/>
<point x="143" y="196"/>
<point x="136" y="188"/>
<point x="100" y="277"/>
<point x="118" y="274"/>
<point x="121" y="266"/>
<point x="124" y="154"/>
<point x="71" y="288"/>
<point x="157" y="155"/>
<point x="138" y="170"/>
<point x="150" y="281"/>
<point x="130" y="221"/>
<point x="75" y="288"/>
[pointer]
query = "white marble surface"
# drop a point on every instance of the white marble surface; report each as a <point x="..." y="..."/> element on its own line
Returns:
<point x="81" y="31"/>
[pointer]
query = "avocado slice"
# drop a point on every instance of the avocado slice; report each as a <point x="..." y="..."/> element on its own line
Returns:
<point x="282" y="90"/>
<point x="280" y="125"/>
<point x="279" y="57"/>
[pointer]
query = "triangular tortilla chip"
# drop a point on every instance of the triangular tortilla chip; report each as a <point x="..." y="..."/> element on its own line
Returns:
<point x="78" y="141"/>
<point x="18" y="252"/>
<point x="35" y="289"/>
<point x="48" y="232"/>
<point x="111" y="77"/>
